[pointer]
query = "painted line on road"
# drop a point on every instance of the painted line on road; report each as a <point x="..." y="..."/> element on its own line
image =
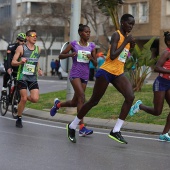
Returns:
<point x="59" y="127"/>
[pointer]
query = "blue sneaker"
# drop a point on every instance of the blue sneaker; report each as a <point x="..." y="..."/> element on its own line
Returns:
<point x="84" y="131"/>
<point x="135" y="108"/>
<point x="164" y="138"/>
<point x="54" y="109"/>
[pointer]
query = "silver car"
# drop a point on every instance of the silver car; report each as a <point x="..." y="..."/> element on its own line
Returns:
<point x="2" y="68"/>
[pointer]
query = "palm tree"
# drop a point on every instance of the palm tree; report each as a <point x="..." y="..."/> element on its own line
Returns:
<point x="110" y="7"/>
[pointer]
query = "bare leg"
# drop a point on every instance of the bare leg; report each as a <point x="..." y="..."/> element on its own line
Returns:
<point x="167" y="125"/>
<point x="78" y="98"/>
<point x="123" y="85"/>
<point x="158" y="102"/>
<point x="22" y="102"/>
<point x="99" y="89"/>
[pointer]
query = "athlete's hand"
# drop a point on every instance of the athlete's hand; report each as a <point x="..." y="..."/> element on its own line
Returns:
<point x="129" y="38"/>
<point x="9" y="71"/>
<point x="73" y="54"/>
<point x="23" y="60"/>
<point x="89" y="56"/>
<point x="132" y="44"/>
<point x="40" y="72"/>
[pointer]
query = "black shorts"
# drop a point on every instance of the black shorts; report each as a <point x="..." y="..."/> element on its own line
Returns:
<point x="23" y="84"/>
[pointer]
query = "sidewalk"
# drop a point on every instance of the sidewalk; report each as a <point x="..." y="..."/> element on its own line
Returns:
<point x="95" y="122"/>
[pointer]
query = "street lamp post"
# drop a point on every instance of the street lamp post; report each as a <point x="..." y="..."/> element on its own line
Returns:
<point x="74" y="24"/>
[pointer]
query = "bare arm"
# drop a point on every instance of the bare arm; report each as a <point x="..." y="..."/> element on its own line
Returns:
<point x="65" y="54"/>
<point x="114" y="51"/>
<point x="159" y="65"/>
<point x="18" y="53"/>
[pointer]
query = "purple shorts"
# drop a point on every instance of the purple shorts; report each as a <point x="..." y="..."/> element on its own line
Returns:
<point x="108" y="76"/>
<point x="82" y="80"/>
<point x="161" y="84"/>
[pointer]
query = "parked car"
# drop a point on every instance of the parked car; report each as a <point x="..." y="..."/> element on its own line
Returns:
<point x="62" y="74"/>
<point x="2" y="68"/>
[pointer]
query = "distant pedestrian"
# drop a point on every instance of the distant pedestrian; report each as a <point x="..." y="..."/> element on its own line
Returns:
<point x="112" y="71"/>
<point x="53" y="67"/>
<point x="100" y="59"/>
<point x="92" y="71"/>
<point x="57" y="66"/>
<point x="161" y="90"/>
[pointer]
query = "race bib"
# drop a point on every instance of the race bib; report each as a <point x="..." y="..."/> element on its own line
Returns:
<point x="123" y="55"/>
<point x="82" y="56"/>
<point x="28" y="69"/>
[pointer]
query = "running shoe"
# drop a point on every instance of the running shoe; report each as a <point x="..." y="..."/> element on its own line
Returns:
<point x="71" y="134"/>
<point x="19" y="122"/>
<point x="165" y="137"/>
<point x="84" y="131"/>
<point x="54" y="109"/>
<point x="135" y="108"/>
<point x="117" y="137"/>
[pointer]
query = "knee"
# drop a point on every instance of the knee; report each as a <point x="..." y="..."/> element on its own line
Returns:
<point x="34" y="99"/>
<point x="93" y="102"/>
<point x="130" y="98"/>
<point x="81" y="99"/>
<point x="157" y="113"/>
<point x="23" y="99"/>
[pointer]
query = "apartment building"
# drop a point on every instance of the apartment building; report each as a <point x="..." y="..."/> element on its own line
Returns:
<point x="45" y="16"/>
<point x="152" y="19"/>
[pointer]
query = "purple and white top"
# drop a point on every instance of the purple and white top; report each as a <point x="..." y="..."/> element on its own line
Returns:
<point x="80" y="67"/>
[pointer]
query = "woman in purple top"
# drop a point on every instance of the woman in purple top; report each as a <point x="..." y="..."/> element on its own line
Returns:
<point x="82" y="52"/>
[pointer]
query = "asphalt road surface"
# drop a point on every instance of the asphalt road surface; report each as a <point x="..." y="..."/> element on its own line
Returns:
<point x="43" y="145"/>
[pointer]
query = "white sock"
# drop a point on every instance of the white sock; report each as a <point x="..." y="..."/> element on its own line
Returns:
<point x="74" y="123"/>
<point x="118" y="125"/>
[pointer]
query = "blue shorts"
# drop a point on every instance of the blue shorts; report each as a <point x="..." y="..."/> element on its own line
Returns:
<point x="161" y="84"/>
<point x="108" y="76"/>
<point x="82" y="80"/>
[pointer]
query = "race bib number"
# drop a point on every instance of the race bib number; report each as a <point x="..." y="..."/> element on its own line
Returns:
<point x="82" y="56"/>
<point x="28" y="69"/>
<point x="123" y="55"/>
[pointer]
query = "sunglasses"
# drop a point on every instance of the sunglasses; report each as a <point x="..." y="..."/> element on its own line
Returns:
<point x="22" y="40"/>
<point x="33" y="35"/>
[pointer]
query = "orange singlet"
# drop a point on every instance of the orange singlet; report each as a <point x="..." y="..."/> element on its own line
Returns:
<point x="116" y="66"/>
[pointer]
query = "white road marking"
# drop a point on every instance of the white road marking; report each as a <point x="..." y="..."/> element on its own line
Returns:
<point x="59" y="127"/>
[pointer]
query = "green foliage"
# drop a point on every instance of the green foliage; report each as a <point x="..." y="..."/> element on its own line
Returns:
<point x="139" y="64"/>
<point x="109" y="106"/>
<point x="110" y="8"/>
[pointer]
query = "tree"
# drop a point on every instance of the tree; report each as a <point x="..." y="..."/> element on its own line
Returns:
<point x="99" y="22"/>
<point x="138" y="64"/>
<point x="49" y="21"/>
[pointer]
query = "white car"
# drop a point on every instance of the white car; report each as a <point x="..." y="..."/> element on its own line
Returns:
<point x="2" y="68"/>
<point x="62" y="74"/>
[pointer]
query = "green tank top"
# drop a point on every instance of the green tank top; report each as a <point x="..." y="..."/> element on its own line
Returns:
<point x="28" y="70"/>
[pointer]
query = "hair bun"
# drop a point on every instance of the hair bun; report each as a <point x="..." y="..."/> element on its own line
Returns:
<point x="80" y="25"/>
<point x="166" y="33"/>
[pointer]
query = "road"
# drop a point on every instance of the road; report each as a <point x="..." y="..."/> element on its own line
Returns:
<point x="43" y="145"/>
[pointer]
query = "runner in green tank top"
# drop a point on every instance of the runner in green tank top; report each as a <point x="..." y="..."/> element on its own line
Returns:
<point x="26" y="57"/>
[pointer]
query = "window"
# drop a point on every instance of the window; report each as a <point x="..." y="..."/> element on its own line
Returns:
<point x="168" y="7"/>
<point x="133" y="11"/>
<point x="143" y="12"/>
